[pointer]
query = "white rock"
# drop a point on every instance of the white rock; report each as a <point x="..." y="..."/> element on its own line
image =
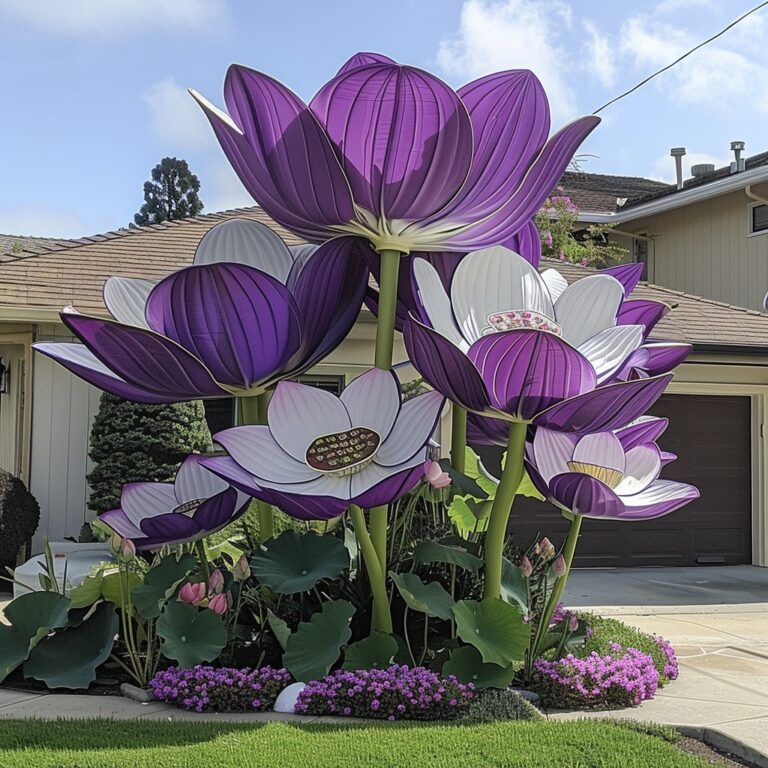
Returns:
<point x="286" y="701"/>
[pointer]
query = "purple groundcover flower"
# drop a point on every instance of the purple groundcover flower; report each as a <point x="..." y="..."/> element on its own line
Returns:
<point x="196" y="505"/>
<point x="514" y="345"/>
<point x="393" y="154"/>
<point x="671" y="668"/>
<point x="320" y="453"/>
<point x="612" y="475"/>
<point x="220" y="689"/>
<point x="624" y="678"/>
<point x="248" y="312"/>
<point x="395" y="693"/>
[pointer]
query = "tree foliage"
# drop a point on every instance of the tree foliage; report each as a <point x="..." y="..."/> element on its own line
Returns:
<point x="133" y="442"/>
<point x="171" y="193"/>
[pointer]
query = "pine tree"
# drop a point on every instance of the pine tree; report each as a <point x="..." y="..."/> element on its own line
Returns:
<point x="170" y="194"/>
<point x="133" y="442"/>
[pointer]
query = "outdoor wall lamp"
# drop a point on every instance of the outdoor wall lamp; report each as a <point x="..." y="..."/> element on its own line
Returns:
<point x="5" y="378"/>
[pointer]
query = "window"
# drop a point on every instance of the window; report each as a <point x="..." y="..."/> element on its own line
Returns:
<point x="758" y="219"/>
<point x="640" y="252"/>
<point x="220" y="412"/>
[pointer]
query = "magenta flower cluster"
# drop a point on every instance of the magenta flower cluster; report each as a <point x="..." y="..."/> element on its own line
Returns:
<point x="220" y="689"/>
<point x="623" y="678"/>
<point x="671" y="669"/>
<point x="396" y="693"/>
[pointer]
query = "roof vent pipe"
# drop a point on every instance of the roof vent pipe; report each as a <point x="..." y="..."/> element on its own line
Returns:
<point x="677" y="153"/>
<point x="737" y="147"/>
<point x="702" y="169"/>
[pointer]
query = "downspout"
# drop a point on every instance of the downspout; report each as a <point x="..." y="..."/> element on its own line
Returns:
<point x="757" y="198"/>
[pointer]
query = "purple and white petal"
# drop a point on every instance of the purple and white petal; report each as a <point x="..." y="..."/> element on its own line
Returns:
<point x="555" y="283"/>
<point x="643" y="464"/>
<point x="608" y="349"/>
<point x="300" y="254"/>
<point x="482" y="430"/>
<point x="298" y="414"/>
<point x="126" y="298"/>
<point x="584" y="495"/>
<point x="435" y="302"/>
<point x="170" y="529"/>
<point x="659" y="498"/>
<point x="363" y="58"/>
<point x="601" y="449"/>
<point x="588" y="306"/>
<point x="141" y="500"/>
<point x="243" y="241"/>
<point x="194" y="481"/>
<point x="117" y="520"/>
<point x="646" y="429"/>
<point x="642" y="312"/>
<point x="414" y="427"/>
<point x="220" y="510"/>
<point x="373" y="400"/>
<point x="664" y="357"/>
<point x="667" y="457"/>
<point x="444" y="366"/>
<point x="627" y="274"/>
<point x="551" y="452"/>
<point x="495" y="280"/>
<point x="527" y="242"/>
<point x="376" y="485"/>
<point x="256" y="451"/>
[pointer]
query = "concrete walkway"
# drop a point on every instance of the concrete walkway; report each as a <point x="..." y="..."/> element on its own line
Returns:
<point x="717" y="620"/>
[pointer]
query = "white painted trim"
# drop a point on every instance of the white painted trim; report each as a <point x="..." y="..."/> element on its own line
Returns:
<point x="750" y="231"/>
<point x="730" y="183"/>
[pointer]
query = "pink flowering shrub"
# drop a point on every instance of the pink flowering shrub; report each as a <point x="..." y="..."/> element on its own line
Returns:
<point x="396" y="693"/>
<point x="671" y="669"/>
<point x="220" y="689"/>
<point x="623" y="678"/>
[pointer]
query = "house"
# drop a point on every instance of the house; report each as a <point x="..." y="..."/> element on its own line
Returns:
<point x="707" y="235"/>
<point x="717" y="402"/>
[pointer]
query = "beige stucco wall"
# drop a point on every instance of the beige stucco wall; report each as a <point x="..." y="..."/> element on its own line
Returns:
<point x="704" y="249"/>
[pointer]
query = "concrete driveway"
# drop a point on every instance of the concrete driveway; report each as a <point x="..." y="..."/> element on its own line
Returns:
<point x="717" y="620"/>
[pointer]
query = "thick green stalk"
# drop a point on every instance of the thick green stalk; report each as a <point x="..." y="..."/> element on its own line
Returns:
<point x="458" y="437"/>
<point x="382" y="618"/>
<point x="202" y="556"/>
<point x="253" y="410"/>
<point x="385" y="325"/>
<point x="379" y="517"/>
<point x="502" y="507"/>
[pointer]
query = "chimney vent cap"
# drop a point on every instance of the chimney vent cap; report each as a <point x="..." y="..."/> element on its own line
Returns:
<point x="702" y="169"/>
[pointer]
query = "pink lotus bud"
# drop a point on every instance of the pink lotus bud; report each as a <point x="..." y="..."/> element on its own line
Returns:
<point x="216" y="583"/>
<point x="192" y="592"/>
<point x="525" y="567"/>
<point x="435" y="475"/>
<point x="573" y="621"/>
<point x="559" y="567"/>
<point x="219" y="604"/>
<point x="127" y="551"/>
<point x="241" y="570"/>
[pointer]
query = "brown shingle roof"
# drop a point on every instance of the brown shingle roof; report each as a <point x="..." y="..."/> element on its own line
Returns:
<point x="14" y="247"/>
<point x="599" y="192"/>
<point x="75" y="274"/>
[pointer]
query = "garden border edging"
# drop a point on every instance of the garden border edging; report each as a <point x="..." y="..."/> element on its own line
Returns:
<point x="722" y="742"/>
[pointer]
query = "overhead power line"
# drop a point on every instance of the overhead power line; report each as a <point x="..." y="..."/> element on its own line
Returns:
<point x="684" y="56"/>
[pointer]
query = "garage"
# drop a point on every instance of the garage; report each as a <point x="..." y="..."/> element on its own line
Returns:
<point x="711" y="434"/>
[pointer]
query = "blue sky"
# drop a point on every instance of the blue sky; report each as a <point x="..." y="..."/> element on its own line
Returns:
<point x="92" y="92"/>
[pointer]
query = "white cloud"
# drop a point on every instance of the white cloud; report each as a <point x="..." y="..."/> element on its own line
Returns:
<point x="99" y="17"/>
<point x="600" y="57"/>
<point x="515" y="34"/>
<point x="220" y="188"/>
<point x="176" y="117"/>
<point x="41" y="221"/>
<point x="663" y="168"/>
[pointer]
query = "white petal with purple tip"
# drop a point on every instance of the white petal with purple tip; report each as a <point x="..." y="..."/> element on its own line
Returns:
<point x="373" y="401"/>
<point x="298" y="414"/>
<point x="602" y="449"/>
<point x="116" y="519"/>
<point x="608" y="349"/>
<point x="374" y="474"/>
<point x="643" y="464"/>
<point x="142" y="500"/>
<point x="413" y="428"/>
<point x="324" y="485"/>
<point x="126" y="298"/>
<point x="551" y="452"/>
<point x="660" y="491"/>
<point x="436" y="302"/>
<point x="194" y="481"/>
<point x="588" y="306"/>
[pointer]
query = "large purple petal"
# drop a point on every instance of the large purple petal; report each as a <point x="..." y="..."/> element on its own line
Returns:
<point x="585" y="495"/>
<point x="242" y="323"/>
<point x="482" y="430"/>
<point x="653" y="359"/>
<point x="627" y="274"/>
<point x="363" y="58"/>
<point x="145" y="360"/>
<point x="510" y="122"/>
<point x="281" y="154"/>
<point x="606" y="408"/>
<point x="119" y="522"/>
<point x="391" y="489"/>
<point x="402" y="135"/>
<point x="527" y="371"/>
<point x="444" y="366"/>
<point x="660" y="498"/>
<point x="641" y="312"/>
<point x="647" y="429"/>
<point x="329" y="294"/>
<point x="541" y="178"/>
<point x="218" y="511"/>
<point x="172" y="528"/>
<point x="526" y="242"/>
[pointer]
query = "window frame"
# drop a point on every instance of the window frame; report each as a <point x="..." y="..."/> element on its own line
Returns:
<point x="751" y="232"/>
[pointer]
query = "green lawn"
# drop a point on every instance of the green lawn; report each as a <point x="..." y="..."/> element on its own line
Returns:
<point x="109" y="744"/>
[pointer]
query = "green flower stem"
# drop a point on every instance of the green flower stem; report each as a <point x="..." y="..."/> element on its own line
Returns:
<point x="385" y="327"/>
<point x="458" y="437"/>
<point x="202" y="556"/>
<point x="378" y="517"/>
<point x="382" y="618"/>
<point x="502" y="507"/>
<point x="253" y="410"/>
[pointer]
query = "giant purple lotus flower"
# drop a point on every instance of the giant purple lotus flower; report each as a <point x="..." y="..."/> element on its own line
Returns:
<point x="392" y="153"/>
<point x="609" y="475"/>
<point x="320" y="453"/>
<point x="195" y="505"/>
<point x="515" y="345"/>
<point x="248" y="312"/>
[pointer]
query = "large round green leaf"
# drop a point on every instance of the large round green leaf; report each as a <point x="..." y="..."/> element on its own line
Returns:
<point x="32" y="616"/>
<point x="514" y="586"/>
<point x="467" y="665"/>
<point x="430" y="598"/>
<point x="469" y="515"/>
<point x="160" y="583"/>
<point x="69" y="659"/>
<point x="373" y="652"/>
<point x="117" y="587"/>
<point x="451" y="553"/>
<point x="295" y="562"/>
<point x="313" y="648"/>
<point x="190" y="635"/>
<point x="494" y="627"/>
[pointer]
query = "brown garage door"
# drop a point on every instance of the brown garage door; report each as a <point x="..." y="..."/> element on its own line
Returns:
<point x="711" y="436"/>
